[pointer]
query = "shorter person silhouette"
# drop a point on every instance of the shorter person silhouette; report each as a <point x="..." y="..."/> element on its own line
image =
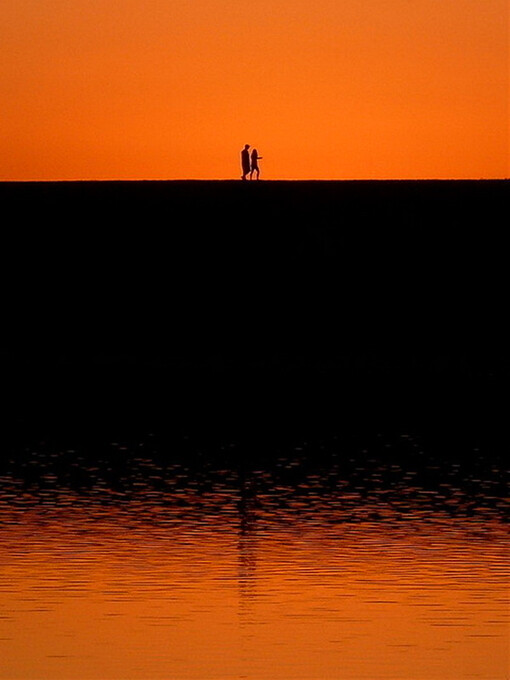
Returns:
<point x="255" y="158"/>
<point x="245" y="161"/>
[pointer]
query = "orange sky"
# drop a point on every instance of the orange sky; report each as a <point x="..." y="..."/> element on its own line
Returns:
<point x="325" y="89"/>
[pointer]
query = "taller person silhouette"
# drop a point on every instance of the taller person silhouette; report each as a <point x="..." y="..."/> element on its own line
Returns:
<point x="255" y="158"/>
<point x="245" y="161"/>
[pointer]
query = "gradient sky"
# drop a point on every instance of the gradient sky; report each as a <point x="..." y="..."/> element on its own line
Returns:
<point x="325" y="89"/>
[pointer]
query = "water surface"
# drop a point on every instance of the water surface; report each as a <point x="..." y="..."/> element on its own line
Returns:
<point x="374" y="561"/>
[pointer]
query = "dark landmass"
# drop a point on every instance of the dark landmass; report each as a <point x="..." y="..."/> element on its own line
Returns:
<point x="256" y="309"/>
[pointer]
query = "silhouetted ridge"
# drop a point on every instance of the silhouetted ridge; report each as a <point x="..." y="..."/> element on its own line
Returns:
<point x="278" y="298"/>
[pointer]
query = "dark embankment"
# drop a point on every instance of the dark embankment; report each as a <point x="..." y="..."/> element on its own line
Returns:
<point x="254" y="308"/>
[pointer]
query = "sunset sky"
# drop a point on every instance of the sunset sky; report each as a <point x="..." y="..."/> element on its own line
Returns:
<point x="325" y="89"/>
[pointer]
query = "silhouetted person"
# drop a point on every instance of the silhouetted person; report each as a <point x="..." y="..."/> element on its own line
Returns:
<point x="245" y="161"/>
<point x="255" y="158"/>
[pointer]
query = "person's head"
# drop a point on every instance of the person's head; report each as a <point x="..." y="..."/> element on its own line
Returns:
<point x="246" y="146"/>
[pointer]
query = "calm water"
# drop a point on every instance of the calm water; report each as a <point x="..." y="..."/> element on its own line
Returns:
<point x="364" y="560"/>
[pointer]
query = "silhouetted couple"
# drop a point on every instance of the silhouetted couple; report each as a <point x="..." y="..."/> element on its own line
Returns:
<point x="249" y="162"/>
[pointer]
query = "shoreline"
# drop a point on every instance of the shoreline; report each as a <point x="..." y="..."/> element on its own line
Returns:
<point x="363" y="300"/>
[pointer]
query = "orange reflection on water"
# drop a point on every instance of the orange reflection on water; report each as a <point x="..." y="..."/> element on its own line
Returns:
<point x="141" y="592"/>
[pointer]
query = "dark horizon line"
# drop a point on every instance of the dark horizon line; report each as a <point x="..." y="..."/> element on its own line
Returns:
<point x="263" y="181"/>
